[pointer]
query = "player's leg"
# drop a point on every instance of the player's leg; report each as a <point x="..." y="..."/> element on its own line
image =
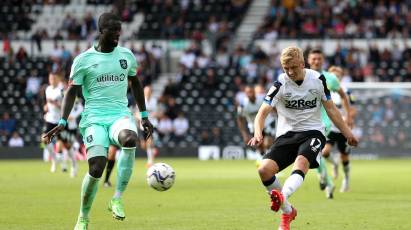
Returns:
<point x="124" y="133"/>
<point x="149" y="146"/>
<point x="276" y="159"/>
<point x="345" y="150"/>
<point x="308" y="157"/>
<point x="326" y="182"/>
<point x="69" y="146"/>
<point x="61" y="154"/>
<point x="52" y="154"/>
<point x="331" y="141"/>
<point x="96" y="141"/>
<point x="50" y="146"/>
<point x="111" y="160"/>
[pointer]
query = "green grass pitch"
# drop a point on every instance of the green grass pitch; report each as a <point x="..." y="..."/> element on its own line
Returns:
<point x="218" y="195"/>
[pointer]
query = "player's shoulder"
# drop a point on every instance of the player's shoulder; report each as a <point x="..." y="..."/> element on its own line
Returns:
<point x="84" y="55"/>
<point x="315" y="76"/>
<point x="281" y="79"/>
<point x="48" y="88"/>
<point x="330" y="76"/>
<point x="124" y="50"/>
<point x="310" y="73"/>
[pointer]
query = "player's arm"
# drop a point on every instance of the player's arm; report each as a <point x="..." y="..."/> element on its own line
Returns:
<point x="337" y="119"/>
<point x="346" y="106"/>
<point x="259" y="121"/>
<point x="243" y="129"/>
<point x="138" y="93"/>
<point x="241" y="123"/>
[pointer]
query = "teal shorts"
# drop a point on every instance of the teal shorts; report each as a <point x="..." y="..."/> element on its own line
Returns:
<point x="106" y="134"/>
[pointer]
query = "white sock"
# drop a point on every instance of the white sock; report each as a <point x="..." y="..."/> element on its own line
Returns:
<point x="150" y="155"/>
<point x="63" y="159"/>
<point x="271" y="184"/>
<point x="72" y="157"/>
<point x="346" y="168"/>
<point x="290" y="186"/>
<point x="50" y="149"/>
<point x="330" y="159"/>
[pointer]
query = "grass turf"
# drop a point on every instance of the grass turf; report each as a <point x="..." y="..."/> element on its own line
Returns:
<point x="216" y="195"/>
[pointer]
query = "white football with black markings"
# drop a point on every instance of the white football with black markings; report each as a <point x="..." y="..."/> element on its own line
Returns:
<point x="161" y="176"/>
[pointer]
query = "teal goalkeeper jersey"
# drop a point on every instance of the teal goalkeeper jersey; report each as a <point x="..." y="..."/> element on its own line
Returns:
<point x="104" y="81"/>
<point x="333" y="84"/>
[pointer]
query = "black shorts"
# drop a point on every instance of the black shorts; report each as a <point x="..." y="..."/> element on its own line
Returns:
<point x="66" y="135"/>
<point x="339" y="139"/>
<point x="48" y="126"/>
<point x="287" y="147"/>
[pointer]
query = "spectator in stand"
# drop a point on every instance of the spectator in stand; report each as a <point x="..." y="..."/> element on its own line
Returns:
<point x="56" y="53"/>
<point x="216" y="136"/>
<point x="337" y="19"/>
<point x="21" y="54"/>
<point x="7" y="125"/>
<point x="89" y="26"/>
<point x="180" y="127"/>
<point x="202" y="61"/>
<point x="187" y="59"/>
<point x="205" y="138"/>
<point x="172" y="108"/>
<point x="33" y="85"/>
<point x="16" y="140"/>
<point x="222" y="57"/>
<point x="157" y="54"/>
<point x="164" y="128"/>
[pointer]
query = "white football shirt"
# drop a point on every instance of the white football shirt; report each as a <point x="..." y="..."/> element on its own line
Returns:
<point x="249" y="110"/>
<point x="298" y="106"/>
<point x="54" y="94"/>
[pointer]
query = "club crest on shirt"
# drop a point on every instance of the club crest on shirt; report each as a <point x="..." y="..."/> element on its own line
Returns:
<point x="90" y="139"/>
<point x="123" y="63"/>
<point x="313" y="91"/>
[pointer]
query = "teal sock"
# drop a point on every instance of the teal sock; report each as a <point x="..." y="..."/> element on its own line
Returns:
<point x="124" y="170"/>
<point x="88" y="192"/>
<point x="324" y="173"/>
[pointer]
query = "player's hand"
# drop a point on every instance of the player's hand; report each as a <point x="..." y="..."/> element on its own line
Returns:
<point x="353" y="141"/>
<point x="48" y="137"/>
<point x="147" y="128"/>
<point x="255" y="141"/>
<point x="246" y="138"/>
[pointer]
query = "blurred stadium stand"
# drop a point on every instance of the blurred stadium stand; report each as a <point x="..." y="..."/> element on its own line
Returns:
<point x="236" y="41"/>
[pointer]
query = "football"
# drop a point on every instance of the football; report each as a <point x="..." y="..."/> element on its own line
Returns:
<point x="161" y="176"/>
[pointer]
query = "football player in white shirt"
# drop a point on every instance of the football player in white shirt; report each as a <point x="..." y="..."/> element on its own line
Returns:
<point x="54" y="97"/>
<point x="335" y="137"/>
<point x="297" y="96"/>
<point x="246" y="112"/>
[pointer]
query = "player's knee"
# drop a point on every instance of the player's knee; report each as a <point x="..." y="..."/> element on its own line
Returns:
<point x="96" y="166"/>
<point x="302" y="163"/>
<point x="345" y="157"/>
<point x="127" y="138"/>
<point x="266" y="170"/>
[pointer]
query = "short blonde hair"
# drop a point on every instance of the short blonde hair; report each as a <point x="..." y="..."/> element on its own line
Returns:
<point x="291" y="53"/>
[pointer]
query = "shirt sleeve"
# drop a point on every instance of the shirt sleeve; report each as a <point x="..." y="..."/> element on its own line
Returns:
<point x="325" y="92"/>
<point x="133" y="66"/>
<point x="273" y="94"/>
<point x="77" y="72"/>
<point x="334" y="84"/>
<point x="240" y="110"/>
